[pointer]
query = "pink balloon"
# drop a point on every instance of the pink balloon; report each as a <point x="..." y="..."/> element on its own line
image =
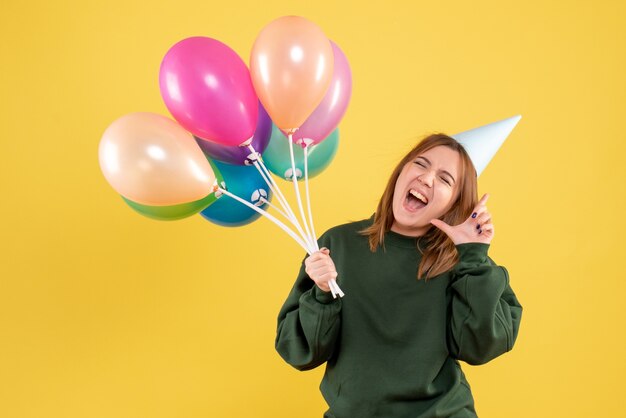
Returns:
<point x="329" y="112"/>
<point x="207" y="88"/>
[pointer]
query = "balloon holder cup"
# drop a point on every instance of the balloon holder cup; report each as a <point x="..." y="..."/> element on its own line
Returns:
<point x="216" y="189"/>
<point x="252" y="158"/>
<point x="305" y="142"/>
<point x="247" y="142"/>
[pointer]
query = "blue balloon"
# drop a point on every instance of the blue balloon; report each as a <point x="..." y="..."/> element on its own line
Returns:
<point x="244" y="182"/>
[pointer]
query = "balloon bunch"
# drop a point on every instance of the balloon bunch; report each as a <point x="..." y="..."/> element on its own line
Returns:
<point x="233" y="126"/>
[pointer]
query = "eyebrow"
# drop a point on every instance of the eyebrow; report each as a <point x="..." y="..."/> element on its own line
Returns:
<point x="445" y="172"/>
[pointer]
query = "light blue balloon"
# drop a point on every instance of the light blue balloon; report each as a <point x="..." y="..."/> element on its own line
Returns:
<point x="277" y="156"/>
<point x="244" y="182"/>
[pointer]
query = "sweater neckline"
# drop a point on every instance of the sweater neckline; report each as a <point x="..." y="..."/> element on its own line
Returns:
<point x="406" y="241"/>
<point x="399" y="240"/>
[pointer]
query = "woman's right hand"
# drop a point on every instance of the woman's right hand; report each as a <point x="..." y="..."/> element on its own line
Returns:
<point x="320" y="268"/>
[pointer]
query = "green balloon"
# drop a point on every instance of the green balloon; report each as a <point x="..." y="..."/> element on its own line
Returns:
<point x="173" y="212"/>
<point x="180" y="211"/>
<point x="277" y="156"/>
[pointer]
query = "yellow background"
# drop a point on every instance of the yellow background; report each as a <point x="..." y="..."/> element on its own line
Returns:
<point x="105" y="313"/>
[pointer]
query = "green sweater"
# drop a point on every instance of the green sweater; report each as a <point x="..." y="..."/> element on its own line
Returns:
<point x="392" y="344"/>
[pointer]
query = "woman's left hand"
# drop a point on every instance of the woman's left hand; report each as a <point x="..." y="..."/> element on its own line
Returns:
<point x="477" y="228"/>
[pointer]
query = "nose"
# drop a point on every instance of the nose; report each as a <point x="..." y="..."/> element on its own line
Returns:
<point x="426" y="178"/>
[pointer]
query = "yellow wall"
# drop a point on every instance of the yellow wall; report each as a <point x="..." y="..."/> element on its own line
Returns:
<point x="104" y="313"/>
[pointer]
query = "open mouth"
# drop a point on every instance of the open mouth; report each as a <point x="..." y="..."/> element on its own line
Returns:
<point x="414" y="200"/>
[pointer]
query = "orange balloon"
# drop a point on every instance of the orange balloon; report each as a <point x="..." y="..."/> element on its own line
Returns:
<point x="152" y="160"/>
<point x="291" y="65"/>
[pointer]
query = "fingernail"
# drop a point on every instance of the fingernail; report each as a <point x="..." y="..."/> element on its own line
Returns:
<point x="474" y="215"/>
<point x="478" y="226"/>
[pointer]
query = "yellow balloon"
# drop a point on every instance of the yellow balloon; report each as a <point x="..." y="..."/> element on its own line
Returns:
<point x="152" y="160"/>
<point x="291" y="65"/>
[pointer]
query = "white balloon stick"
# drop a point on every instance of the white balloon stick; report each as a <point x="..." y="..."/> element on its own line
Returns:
<point x="267" y="202"/>
<point x="279" y="195"/>
<point x="334" y="287"/>
<point x="337" y="288"/>
<point x="258" y="163"/>
<point x="274" y="188"/>
<point x="306" y="185"/>
<point x="281" y="198"/>
<point x="294" y="178"/>
<point x="270" y="217"/>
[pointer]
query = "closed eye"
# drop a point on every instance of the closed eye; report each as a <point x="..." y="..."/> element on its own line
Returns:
<point x="442" y="178"/>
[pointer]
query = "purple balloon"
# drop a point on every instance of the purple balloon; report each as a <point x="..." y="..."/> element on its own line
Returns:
<point x="329" y="112"/>
<point x="239" y="155"/>
<point x="207" y="87"/>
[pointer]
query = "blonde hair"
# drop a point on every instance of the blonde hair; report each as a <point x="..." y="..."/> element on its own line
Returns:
<point x="440" y="254"/>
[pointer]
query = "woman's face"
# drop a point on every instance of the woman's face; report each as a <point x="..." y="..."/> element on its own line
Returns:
<point x="431" y="175"/>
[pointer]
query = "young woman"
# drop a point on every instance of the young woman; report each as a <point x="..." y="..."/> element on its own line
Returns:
<point x="421" y="294"/>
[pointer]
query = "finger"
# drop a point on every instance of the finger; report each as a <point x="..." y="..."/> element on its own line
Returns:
<point x="483" y="225"/>
<point x="481" y="203"/>
<point x="317" y="265"/>
<point x="328" y="276"/>
<point x="478" y="210"/>
<point x="487" y="233"/>
<point x="325" y="260"/>
<point x="318" y="255"/>
<point x="482" y="218"/>
<point x="323" y="286"/>
<point x="441" y="225"/>
<point x="325" y="277"/>
<point x="320" y="266"/>
<point x="488" y="227"/>
<point x="312" y="266"/>
<point x="317" y="276"/>
<point x="311" y="261"/>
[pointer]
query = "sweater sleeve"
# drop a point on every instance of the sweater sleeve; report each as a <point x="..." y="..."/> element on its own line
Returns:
<point x="308" y="324"/>
<point x="485" y="313"/>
